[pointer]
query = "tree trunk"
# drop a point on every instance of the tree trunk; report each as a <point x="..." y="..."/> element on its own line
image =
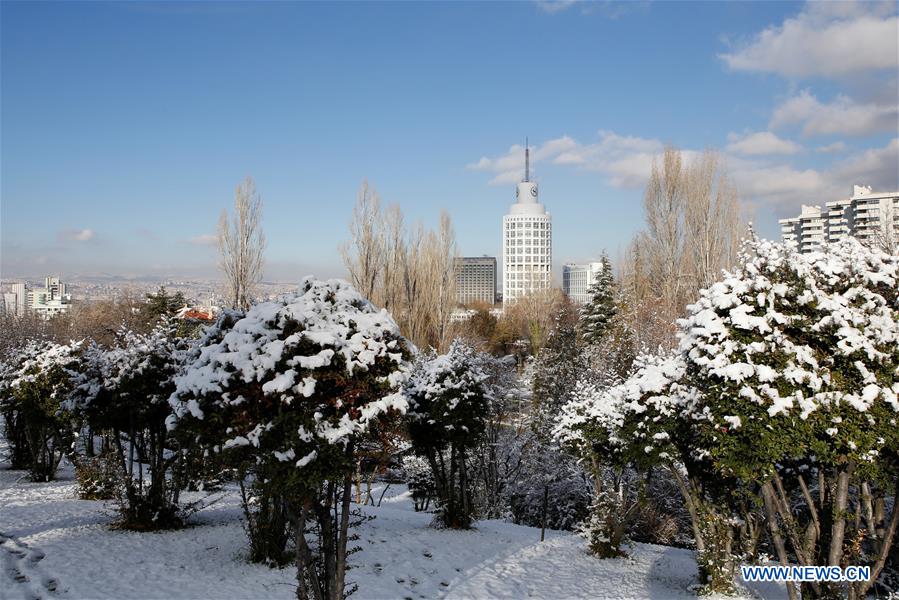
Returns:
<point x="776" y="539"/>
<point x="343" y="535"/>
<point x="840" y="504"/>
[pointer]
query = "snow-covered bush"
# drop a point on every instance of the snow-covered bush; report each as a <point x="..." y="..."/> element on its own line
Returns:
<point x="123" y="392"/>
<point x="36" y="379"/>
<point x="420" y="480"/>
<point x="448" y="406"/>
<point x="550" y="474"/>
<point x="797" y="357"/>
<point x="98" y="477"/>
<point x="282" y="393"/>
<point x="784" y="385"/>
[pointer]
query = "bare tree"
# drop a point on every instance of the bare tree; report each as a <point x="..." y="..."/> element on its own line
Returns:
<point x="410" y="272"/>
<point x="886" y="237"/>
<point x="363" y="254"/>
<point x="693" y="231"/>
<point x="712" y="221"/>
<point x="241" y="245"/>
<point x="664" y="204"/>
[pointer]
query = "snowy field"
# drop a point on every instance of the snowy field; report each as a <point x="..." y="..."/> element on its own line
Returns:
<point x="56" y="546"/>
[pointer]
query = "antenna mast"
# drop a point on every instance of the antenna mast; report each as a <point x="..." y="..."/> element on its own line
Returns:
<point x="527" y="161"/>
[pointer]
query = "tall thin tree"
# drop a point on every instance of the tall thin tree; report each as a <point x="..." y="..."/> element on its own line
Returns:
<point x="242" y="245"/>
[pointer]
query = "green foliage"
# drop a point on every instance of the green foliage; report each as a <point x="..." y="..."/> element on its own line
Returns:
<point x="282" y="394"/>
<point x="597" y="315"/>
<point x="35" y="381"/>
<point x="449" y="405"/>
<point x="161" y="304"/>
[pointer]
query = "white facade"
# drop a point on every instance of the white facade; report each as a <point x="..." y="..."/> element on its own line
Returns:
<point x="807" y="229"/>
<point x="21" y="300"/>
<point x="527" y="243"/>
<point x="577" y="279"/>
<point x="9" y="303"/>
<point x="872" y="218"/>
<point x="47" y="301"/>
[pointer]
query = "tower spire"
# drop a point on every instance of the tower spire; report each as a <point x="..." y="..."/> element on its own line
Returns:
<point x="527" y="161"/>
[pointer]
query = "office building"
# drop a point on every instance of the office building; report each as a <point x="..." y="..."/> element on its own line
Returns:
<point x="577" y="279"/>
<point x="527" y="242"/>
<point x="475" y="279"/>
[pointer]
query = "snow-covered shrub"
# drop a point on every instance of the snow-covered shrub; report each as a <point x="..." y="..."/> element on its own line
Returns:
<point x="797" y="357"/>
<point x="123" y="391"/>
<point x="420" y="480"/>
<point x="784" y="386"/>
<point x="35" y="380"/>
<point x="551" y="474"/>
<point x="282" y="393"/>
<point x="604" y="529"/>
<point x="98" y="477"/>
<point x="448" y="406"/>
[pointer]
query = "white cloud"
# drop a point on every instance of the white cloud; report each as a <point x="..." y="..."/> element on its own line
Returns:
<point x="776" y="181"/>
<point x="554" y="6"/>
<point x="783" y="187"/>
<point x="766" y="180"/>
<point x="626" y="160"/>
<point x="760" y="143"/>
<point x="76" y="235"/>
<point x="831" y="148"/>
<point x="205" y="239"/>
<point x="828" y="39"/>
<point x="841" y="116"/>
<point x="877" y="167"/>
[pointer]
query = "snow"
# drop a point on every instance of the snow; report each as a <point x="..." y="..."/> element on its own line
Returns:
<point x="55" y="541"/>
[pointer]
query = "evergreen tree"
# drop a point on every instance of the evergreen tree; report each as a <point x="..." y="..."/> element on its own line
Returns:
<point x="163" y="304"/>
<point x="449" y="400"/>
<point x="555" y="370"/>
<point x="33" y="381"/>
<point x="597" y="314"/>
<point x="124" y="392"/>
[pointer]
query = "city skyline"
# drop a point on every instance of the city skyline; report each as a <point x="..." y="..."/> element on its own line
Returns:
<point x="129" y="178"/>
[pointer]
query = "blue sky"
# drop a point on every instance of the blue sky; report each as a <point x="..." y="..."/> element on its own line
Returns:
<point x="126" y="126"/>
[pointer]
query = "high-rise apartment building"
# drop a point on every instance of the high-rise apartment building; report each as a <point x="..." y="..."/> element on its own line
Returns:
<point x="21" y="301"/>
<point x="475" y="279"/>
<point x="52" y="299"/>
<point x="527" y="242"/>
<point x="807" y="230"/>
<point x="872" y="218"/>
<point x="577" y="279"/>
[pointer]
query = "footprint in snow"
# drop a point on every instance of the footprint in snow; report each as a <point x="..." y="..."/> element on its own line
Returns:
<point x="21" y="562"/>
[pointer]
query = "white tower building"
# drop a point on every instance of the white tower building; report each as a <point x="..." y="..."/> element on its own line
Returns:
<point x="527" y="241"/>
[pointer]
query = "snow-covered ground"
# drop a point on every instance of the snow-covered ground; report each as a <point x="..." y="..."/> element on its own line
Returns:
<point x="54" y="545"/>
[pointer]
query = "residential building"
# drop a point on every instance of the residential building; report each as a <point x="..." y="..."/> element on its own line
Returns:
<point x="527" y="242"/>
<point x="21" y="301"/>
<point x="475" y="279"/>
<point x="47" y="301"/>
<point x="871" y="217"/>
<point x="807" y="230"/>
<point x="9" y="303"/>
<point x="577" y="279"/>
